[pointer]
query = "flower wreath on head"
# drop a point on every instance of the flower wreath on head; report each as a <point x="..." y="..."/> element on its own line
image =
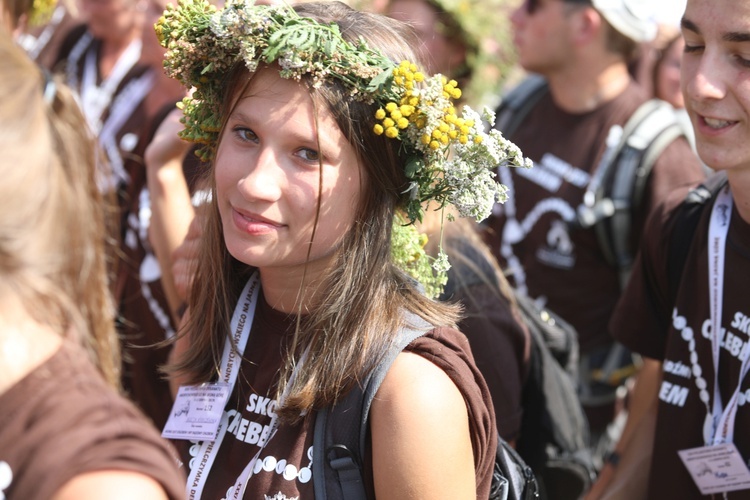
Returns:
<point x="451" y="159"/>
<point x="41" y="11"/>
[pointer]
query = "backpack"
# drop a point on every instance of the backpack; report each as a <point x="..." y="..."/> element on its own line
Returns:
<point x="340" y="435"/>
<point x="554" y="431"/>
<point x="619" y="182"/>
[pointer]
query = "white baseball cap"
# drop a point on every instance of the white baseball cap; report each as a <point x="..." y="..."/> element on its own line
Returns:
<point x="633" y="18"/>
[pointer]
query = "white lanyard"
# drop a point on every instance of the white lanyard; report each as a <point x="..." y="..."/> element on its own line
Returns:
<point x="96" y="98"/>
<point x="242" y="320"/>
<point x="722" y="418"/>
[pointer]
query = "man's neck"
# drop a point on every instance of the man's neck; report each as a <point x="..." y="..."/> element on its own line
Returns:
<point x="584" y="88"/>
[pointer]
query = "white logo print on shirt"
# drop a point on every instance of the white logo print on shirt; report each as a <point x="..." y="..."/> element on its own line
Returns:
<point x="549" y="173"/>
<point x="6" y="477"/>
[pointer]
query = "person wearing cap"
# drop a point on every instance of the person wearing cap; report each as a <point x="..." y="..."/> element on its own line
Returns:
<point x="582" y="49"/>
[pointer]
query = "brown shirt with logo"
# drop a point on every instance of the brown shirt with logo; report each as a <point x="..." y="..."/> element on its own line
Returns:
<point x="284" y="466"/>
<point x="680" y="336"/>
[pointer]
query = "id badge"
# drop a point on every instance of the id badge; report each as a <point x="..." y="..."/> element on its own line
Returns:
<point x="196" y="413"/>
<point x="716" y="469"/>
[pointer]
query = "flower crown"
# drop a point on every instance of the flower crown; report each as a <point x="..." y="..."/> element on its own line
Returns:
<point x="451" y="159"/>
<point x="41" y="11"/>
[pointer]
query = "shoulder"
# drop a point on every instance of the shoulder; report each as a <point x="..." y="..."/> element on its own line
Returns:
<point x="114" y="485"/>
<point x="421" y="444"/>
<point x="79" y="425"/>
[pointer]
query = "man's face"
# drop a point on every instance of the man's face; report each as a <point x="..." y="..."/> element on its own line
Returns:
<point x="542" y="34"/>
<point x="716" y="80"/>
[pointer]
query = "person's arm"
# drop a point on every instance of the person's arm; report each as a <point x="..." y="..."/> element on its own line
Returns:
<point x="185" y="257"/>
<point x="421" y="447"/>
<point x="636" y="440"/>
<point x="171" y="204"/>
<point x="111" y="484"/>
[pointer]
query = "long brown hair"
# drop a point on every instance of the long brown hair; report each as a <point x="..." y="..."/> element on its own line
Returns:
<point x="364" y="295"/>
<point x="52" y="233"/>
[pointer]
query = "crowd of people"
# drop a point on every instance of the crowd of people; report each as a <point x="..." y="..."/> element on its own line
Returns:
<point x="221" y="220"/>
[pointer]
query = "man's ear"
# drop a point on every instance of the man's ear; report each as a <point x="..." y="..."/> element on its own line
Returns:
<point x="587" y="25"/>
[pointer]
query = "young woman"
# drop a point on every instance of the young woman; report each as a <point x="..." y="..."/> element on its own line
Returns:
<point x="296" y="295"/>
<point x="65" y="432"/>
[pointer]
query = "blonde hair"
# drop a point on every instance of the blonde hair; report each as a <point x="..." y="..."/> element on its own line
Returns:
<point x="364" y="295"/>
<point x="52" y="227"/>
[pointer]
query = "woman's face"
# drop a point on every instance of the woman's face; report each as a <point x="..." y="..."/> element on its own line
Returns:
<point x="668" y="76"/>
<point x="441" y="53"/>
<point x="272" y="169"/>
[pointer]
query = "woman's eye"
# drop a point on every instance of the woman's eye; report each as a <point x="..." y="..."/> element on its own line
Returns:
<point x="245" y="134"/>
<point x="309" y="155"/>
<point x="689" y="49"/>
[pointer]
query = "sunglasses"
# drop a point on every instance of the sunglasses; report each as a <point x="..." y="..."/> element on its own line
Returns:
<point x="532" y="6"/>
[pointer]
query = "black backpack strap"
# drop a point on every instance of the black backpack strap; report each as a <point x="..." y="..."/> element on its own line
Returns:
<point x="517" y="104"/>
<point x="685" y="222"/>
<point x="340" y="432"/>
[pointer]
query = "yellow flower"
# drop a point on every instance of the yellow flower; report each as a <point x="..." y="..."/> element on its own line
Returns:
<point x="463" y="139"/>
<point x="434" y="145"/>
<point x="426" y="139"/>
<point x="456" y="94"/>
<point x="396" y="114"/>
<point x="388" y="122"/>
<point x="418" y="76"/>
<point x="391" y="132"/>
<point x="478" y="139"/>
<point x="390" y="106"/>
<point x="406" y="110"/>
<point x="402" y="123"/>
<point x="378" y="129"/>
<point x="380" y="114"/>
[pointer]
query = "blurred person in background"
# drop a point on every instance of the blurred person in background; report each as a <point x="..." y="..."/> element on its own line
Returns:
<point x="67" y="433"/>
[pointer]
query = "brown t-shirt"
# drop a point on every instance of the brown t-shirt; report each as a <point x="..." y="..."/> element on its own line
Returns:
<point x="646" y="322"/>
<point x="144" y="317"/>
<point x="124" y="118"/>
<point x="531" y="233"/>
<point x="284" y="467"/>
<point x="61" y="420"/>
